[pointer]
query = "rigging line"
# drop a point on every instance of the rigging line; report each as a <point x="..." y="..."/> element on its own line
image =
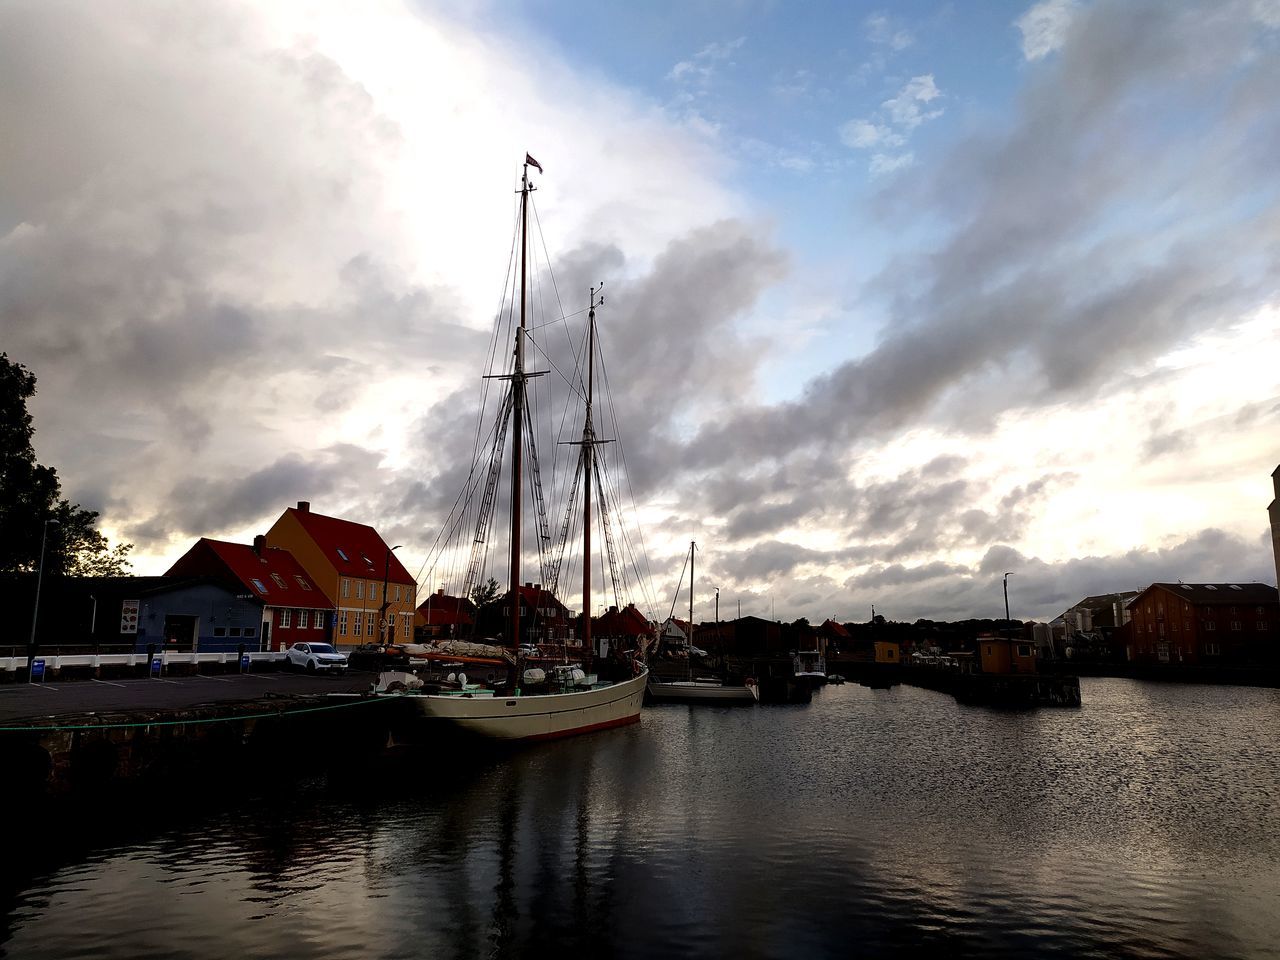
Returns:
<point x="555" y="320"/>
<point x="672" y="612"/>
<point x="576" y="388"/>
<point x="626" y="472"/>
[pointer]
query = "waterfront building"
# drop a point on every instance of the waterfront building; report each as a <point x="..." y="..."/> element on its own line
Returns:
<point x="1205" y="623"/>
<point x="442" y="616"/>
<point x="1092" y="629"/>
<point x="292" y="608"/>
<point x="1000" y="654"/>
<point x="351" y="563"/>
<point x="621" y="629"/>
<point x="887" y="651"/>
<point x="543" y="618"/>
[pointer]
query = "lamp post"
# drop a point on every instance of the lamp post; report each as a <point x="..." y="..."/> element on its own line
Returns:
<point x="382" y="612"/>
<point x="31" y="644"/>
<point x="1006" y="601"/>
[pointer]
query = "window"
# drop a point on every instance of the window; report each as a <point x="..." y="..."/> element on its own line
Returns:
<point x="397" y="591"/>
<point x="234" y="631"/>
<point x="1237" y="625"/>
<point x="346" y="587"/>
<point x="343" y="555"/>
<point x="373" y="591"/>
<point x="359" y="589"/>
<point x="1262" y="625"/>
<point x="1024" y="649"/>
<point x="342" y="623"/>
<point x="358" y="623"/>
<point x="1211" y="650"/>
<point x="1210" y="626"/>
<point x="408" y="596"/>
<point x="250" y="631"/>
<point x="1210" y="586"/>
<point x="302" y="619"/>
<point x="301" y="581"/>
<point x="279" y="581"/>
<point x="369" y="625"/>
<point x="1175" y="626"/>
<point x="408" y="626"/>
<point x="284" y="616"/>
<point x="259" y="585"/>
<point x="219" y="631"/>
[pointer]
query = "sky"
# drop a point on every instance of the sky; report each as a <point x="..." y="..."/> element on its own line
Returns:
<point x="900" y="297"/>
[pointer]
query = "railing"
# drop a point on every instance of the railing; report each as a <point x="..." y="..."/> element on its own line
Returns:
<point x="59" y="661"/>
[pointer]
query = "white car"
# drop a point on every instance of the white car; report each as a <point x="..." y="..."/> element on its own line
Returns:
<point x="315" y="658"/>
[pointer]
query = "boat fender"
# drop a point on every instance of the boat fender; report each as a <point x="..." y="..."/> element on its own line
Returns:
<point x="462" y="679"/>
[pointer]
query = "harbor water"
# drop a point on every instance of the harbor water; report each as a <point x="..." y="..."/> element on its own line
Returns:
<point x="870" y="822"/>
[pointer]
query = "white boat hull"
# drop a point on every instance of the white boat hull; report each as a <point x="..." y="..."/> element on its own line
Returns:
<point x="701" y="691"/>
<point x="536" y="716"/>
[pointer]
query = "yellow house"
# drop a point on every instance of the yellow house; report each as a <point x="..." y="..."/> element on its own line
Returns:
<point x="372" y="591"/>
<point x="887" y="651"/>
<point x="1006" y="655"/>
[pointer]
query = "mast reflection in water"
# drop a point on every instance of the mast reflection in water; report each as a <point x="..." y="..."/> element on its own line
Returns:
<point x="870" y="823"/>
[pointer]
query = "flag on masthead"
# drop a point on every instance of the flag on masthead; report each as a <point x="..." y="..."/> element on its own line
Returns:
<point x="532" y="162"/>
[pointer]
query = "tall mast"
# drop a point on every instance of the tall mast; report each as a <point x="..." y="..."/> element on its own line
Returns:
<point x="517" y="408"/>
<point x="692" y="545"/>
<point x="588" y="459"/>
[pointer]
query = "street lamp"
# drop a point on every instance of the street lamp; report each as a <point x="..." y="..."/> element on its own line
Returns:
<point x="1006" y="601"/>
<point x="31" y="644"/>
<point x="386" y="571"/>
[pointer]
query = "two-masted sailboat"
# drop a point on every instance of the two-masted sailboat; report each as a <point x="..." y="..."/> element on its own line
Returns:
<point x="535" y="703"/>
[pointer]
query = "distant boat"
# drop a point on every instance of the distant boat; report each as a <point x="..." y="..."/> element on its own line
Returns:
<point x="692" y="689"/>
<point x="565" y="700"/>
<point x="809" y="668"/>
<point x="835" y="678"/>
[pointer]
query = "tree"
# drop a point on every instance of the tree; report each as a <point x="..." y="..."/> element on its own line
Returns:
<point x="31" y="494"/>
<point x="483" y="595"/>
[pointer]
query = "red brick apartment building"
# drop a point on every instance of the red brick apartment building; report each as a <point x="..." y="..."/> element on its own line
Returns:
<point x="1205" y="623"/>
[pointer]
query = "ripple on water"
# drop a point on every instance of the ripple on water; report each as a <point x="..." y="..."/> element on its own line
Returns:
<point x="879" y="822"/>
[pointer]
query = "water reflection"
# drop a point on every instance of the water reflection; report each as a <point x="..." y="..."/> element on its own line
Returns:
<point x="874" y="822"/>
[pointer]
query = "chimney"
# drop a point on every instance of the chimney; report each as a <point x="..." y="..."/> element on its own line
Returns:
<point x="440" y="592"/>
<point x="304" y="506"/>
<point x="258" y="543"/>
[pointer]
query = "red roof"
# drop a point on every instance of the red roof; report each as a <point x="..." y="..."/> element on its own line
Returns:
<point x="627" y="622"/>
<point x="440" y="610"/>
<point x="833" y="629"/>
<point x="270" y="574"/>
<point x="354" y="549"/>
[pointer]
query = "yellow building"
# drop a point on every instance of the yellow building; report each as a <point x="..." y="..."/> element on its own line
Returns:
<point x="1006" y="655"/>
<point x="887" y="651"/>
<point x="371" y="590"/>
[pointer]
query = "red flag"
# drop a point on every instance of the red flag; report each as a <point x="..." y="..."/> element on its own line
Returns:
<point x="532" y="162"/>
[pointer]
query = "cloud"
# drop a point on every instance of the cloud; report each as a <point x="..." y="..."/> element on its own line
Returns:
<point x="882" y="31"/>
<point x="863" y="134"/>
<point x="884" y="163"/>
<point x="904" y="110"/>
<point x="704" y="64"/>
<point x="892" y="128"/>
<point x="1044" y="27"/>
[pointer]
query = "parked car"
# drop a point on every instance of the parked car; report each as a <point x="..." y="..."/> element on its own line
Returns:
<point x="315" y="658"/>
<point x="529" y="650"/>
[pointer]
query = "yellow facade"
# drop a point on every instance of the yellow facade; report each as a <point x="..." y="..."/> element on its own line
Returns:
<point x="355" y="587"/>
<point x="887" y="651"/>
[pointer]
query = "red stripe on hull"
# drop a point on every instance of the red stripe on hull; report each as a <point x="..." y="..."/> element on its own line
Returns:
<point x="589" y="728"/>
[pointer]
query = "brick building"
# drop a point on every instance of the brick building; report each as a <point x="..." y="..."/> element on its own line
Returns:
<point x="1205" y="623"/>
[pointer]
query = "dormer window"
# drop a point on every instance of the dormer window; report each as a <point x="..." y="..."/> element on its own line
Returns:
<point x="1236" y="586"/>
<point x="301" y="581"/>
<point x="279" y="581"/>
<point x="1210" y="586"/>
<point x="343" y="555"/>
<point x="259" y="585"/>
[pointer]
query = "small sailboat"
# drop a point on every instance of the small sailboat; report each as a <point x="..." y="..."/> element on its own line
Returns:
<point x="545" y="700"/>
<point x="693" y="689"/>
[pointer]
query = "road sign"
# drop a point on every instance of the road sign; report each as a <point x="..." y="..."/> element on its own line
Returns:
<point x="37" y="670"/>
<point x="157" y="665"/>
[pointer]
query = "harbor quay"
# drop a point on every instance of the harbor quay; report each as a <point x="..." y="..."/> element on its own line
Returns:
<point x="87" y="738"/>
